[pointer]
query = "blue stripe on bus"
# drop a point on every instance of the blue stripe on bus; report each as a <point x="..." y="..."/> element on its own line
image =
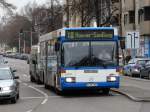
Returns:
<point x="87" y="68"/>
<point x="90" y="28"/>
<point x="83" y="85"/>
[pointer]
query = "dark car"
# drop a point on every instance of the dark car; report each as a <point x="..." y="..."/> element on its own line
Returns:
<point x="9" y="86"/>
<point x="145" y="72"/>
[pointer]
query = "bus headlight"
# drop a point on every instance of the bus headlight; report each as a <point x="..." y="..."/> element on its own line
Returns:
<point x="70" y="79"/>
<point x="111" y="79"/>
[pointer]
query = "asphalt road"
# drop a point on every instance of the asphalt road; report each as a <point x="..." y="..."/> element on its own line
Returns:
<point x="35" y="98"/>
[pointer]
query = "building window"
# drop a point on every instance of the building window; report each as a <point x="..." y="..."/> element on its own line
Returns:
<point x="131" y="16"/>
<point x="125" y="19"/>
<point x="140" y="15"/>
<point x="147" y="13"/>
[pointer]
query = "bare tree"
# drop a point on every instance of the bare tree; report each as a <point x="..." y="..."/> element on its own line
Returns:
<point x="12" y="28"/>
<point x="48" y="18"/>
<point x="102" y="11"/>
<point x="9" y="7"/>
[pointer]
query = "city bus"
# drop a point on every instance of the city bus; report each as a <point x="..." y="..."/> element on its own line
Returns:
<point x="85" y="58"/>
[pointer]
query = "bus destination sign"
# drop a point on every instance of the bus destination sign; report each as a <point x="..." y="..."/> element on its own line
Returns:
<point x="84" y="34"/>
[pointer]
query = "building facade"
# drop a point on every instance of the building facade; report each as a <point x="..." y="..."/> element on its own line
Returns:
<point x="136" y="17"/>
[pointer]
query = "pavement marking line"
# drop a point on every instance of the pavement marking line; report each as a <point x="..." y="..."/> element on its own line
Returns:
<point x="25" y="84"/>
<point x="38" y="86"/>
<point x="45" y="95"/>
<point x="44" y="101"/>
<point x="25" y="75"/>
<point x="19" y="81"/>
<point x="26" y="98"/>
<point x="38" y="91"/>
<point x="30" y="110"/>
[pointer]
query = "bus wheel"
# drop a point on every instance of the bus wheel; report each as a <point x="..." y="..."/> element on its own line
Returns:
<point x="46" y="86"/>
<point x="106" y="91"/>
<point x="38" y="81"/>
<point x="58" y="92"/>
<point x="32" y="79"/>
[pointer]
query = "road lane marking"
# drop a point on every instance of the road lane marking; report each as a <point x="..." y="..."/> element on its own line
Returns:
<point x="45" y="95"/>
<point x="38" y="86"/>
<point x="30" y="110"/>
<point x="19" y="81"/>
<point x="26" y="98"/>
<point x="25" y="75"/>
<point x="44" y="101"/>
<point x="25" y="84"/>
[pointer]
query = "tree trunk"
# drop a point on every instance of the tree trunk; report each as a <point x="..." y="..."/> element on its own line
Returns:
<point x="97" y="12"/>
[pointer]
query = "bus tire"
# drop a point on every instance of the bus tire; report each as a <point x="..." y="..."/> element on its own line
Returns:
<point x="46" y="86"/>
<point x="106" y="91"/>
<point x="38" y="81"/>
<point x="58" y="92"/>
<point x="32" y="79"/>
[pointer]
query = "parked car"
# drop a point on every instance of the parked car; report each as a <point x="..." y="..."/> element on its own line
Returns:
<point x="145" y="71"/>
<point x="134" y="66"/>
<point x="9" y="86"/>
<point x="25" y="56"/>
<point x="2" y="60"/>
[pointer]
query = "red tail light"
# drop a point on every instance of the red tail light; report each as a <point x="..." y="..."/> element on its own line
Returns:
<point x="118" y="69"/>
<point x="63" y="70"/>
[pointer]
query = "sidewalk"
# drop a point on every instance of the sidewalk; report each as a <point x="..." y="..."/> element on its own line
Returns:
<point x="135" y="93"/>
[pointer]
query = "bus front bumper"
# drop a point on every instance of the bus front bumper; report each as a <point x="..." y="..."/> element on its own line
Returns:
<point x="88" y="85"/>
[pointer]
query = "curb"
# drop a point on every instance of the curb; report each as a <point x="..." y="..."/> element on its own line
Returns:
<point x="136" y="99"/>
<point x="136" y="79"/>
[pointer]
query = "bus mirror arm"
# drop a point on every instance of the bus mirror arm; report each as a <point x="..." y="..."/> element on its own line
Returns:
<point x="57" y="46"/>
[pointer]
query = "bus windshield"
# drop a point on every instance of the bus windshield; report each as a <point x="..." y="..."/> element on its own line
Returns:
<point x="89" y="54"/>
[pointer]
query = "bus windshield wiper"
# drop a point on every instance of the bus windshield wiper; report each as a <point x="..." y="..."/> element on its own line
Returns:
<point x="109" y="62"/>
<point x="97" y="61"/>
<point x="83" y="62"/>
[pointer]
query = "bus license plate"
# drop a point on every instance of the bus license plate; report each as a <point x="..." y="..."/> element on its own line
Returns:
<point x="91" y="85"/>
<point x="90" y="71"/>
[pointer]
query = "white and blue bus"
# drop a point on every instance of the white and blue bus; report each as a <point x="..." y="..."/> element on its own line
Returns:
<point x="81" y="58"/>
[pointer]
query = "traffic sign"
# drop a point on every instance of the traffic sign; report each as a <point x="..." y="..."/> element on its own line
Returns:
<point x="132" y="40"/>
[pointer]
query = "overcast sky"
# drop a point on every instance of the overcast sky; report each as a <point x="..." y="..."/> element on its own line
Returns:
<point x="20" y="3"/>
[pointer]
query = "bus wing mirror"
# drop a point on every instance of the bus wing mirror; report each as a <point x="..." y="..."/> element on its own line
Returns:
<point x="57" y="46"/>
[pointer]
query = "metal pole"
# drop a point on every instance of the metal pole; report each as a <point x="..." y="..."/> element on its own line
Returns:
<point x="31" y="37"/>
<point x="19" y="43"/>
<point x="24" y="42"/>
<point x="24" y="46"/>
